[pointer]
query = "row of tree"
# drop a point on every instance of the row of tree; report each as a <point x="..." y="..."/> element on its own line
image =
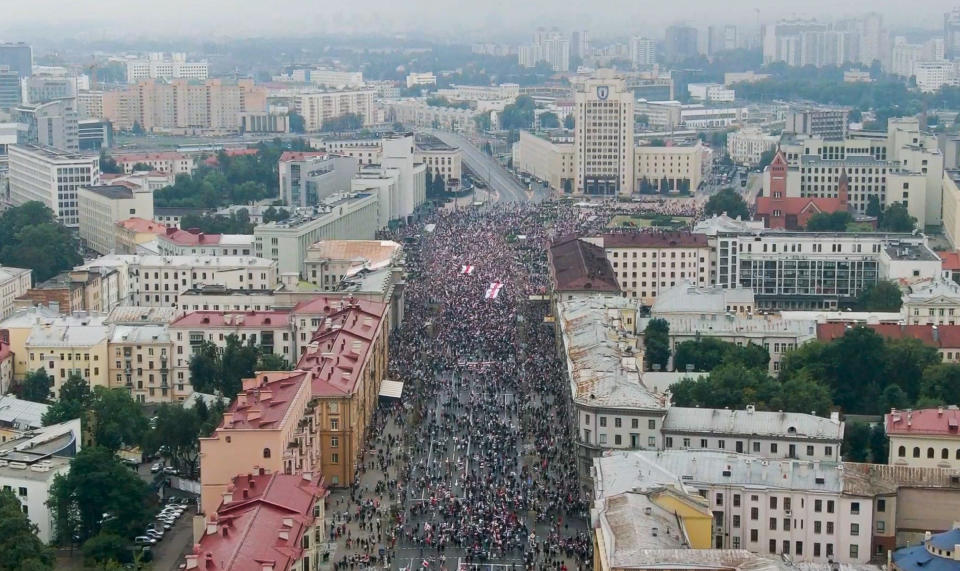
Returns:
<point x="893" y="218"/>
<point x="221" y="371"/>
<point x="31" y="237"/>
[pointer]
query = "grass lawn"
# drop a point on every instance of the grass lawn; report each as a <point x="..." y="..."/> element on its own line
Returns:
<point x="647" y="221"/>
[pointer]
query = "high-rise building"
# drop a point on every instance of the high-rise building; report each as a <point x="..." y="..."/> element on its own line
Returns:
<point x="603" y="137"/>
<point x="51" y="124"/>
<point x="580" y="44"/>
<point x="9" y="88"/>
<point x="551" y="47"/>
<point x="680" y="43"/>
<point x="643" y="51"/>
<point x="52" y="177"/>
<point x="44" y="88"/>
<point x="158" y="66"/>
<point x="721" y="38"/>
<point x="18" y="56"/>
<point x="874" y="43"/>
<point x="951" y="33"/>
<point x="321" y="106"/>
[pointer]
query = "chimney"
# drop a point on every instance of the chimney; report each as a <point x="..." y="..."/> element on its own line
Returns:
<point x="835" y="416"/>
<point x="191" y="561"/>
<point x="284" y="535"/>
<point x="940" y="410"/>
<point x="171" y="231"/>
<point x="751" y="409"/>
<point x="200" y="236"/>
<point x="211" y="527"/>
<point x="227" y="497"/>
<point x="246" y="493"/>
<point x="227" y="419"/>
<point x="926" y="536"/>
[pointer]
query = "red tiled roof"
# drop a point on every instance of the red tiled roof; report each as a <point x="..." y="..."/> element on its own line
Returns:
<point x="931" y="421"/>
<point x="190" y="237"/>
<point x="212" y="161"/>
<point x="950" y="260"/>
<point x="300" y="155"/>
<point x="577" y="265"/>
<point x="142" y="225"/>
<point x="326" y="305"/>
<point x="266" y="527"/>
<point x="264" y="402"/>
<point x="670" y="239"/>
<point x="944" y="337"/>
<point x="235" y="319"/>
<point x="340" y="346"/>
<point x="144" y="157"/>
<point x="793" y="205"/>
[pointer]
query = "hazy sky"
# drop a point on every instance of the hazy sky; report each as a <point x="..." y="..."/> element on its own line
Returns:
<point x="432" y="18"/>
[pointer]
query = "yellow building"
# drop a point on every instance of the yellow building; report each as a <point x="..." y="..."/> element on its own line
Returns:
<point x="677" y="168"/>
<point x="133" y="232"/>
<point x="140" y="361"/>
<point x="549" y="159"/>
<point x="68" y="344"/>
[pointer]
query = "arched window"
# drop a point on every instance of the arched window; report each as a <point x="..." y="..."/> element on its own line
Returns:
<point x="902" y="451"/>
<point x="945" y="454"/>
<point x="916" y="451"/>
<point x="266" y="452"/>
<point x="930" y="452"/>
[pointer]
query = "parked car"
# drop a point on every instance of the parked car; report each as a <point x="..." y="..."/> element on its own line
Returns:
<point x="155" y="468"/>
<point x="154" y="533"/>
<point x="170" y="470"/>
<point x="144" y="540"/>
<point x="165" y="525"/>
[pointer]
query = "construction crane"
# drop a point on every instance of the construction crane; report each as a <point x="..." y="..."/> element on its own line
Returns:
<point x="92" y="72"/>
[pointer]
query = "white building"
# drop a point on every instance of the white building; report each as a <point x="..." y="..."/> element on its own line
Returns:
<point x="307" y="178"/>
<point x="30" y="478"/>
<point x="14" y="282"/>
<point x="933" y="302"/>
<point x="711" y="92"/>
<point x="321" y="106"/>
<point x="417" y="79"/>
<point x="603" y="137"/>
<point x="175" y="242"/>
<point x="53" y="178"/>
<point x="158" y="66"/>
<point x="933" y="75"/>
<point x="774" y="435"/>
<point x="746" y="146"/>
<point x="101" y="207"/>
<point x="677" y="168"/>
<point x="341" y="216"/>
<point x="793" y="508"/>
<point x="643" y="51"/>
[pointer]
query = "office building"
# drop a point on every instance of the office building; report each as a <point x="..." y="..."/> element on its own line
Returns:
<point x="546" y="157"/>
<point x="14" y="282"/>
<point x="905" y="56"/>
<point x="159" y="66"/>
<point x="931" y="76"/>
<point x="551" y="47"/>
<point x="51" y="124"/>
<point x="90" y="105"/>
<point x="643" y="51"/>
<point x="680" y="43"/>
<point x="342" y="216"/>
<point x="579" y="44"/>
<point x="710" y="92"/>
<point x="933" y="302"/>
<point x="18" y="57"/>
<point x="101" y="207"/>
<point x="721" y="39"/>
<point x="10" y="93"/>
<point x="829" y="123"/>
<point x="45" y="88"/>
<point x="603" y="136"/>
<point x="951" y="34"/>
<point x="924" y="438"/>
<point x="308" y="178"/>
<point x="746" y="146"/>
<point x="670" y="169"/>
<point x="418" y="79"/>
<point x="53" y="178"/>
<point x="265" y="122"/>
<point x="178" y="242"/>
<point x="318" y="107"/>
<point x="94" y="134"/>
<point x="417" y="113"/>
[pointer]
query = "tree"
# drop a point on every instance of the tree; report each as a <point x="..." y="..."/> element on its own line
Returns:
<point x="656" y="344"/>
<point x="881" y="296"/>
<point x="97" y="484"/>
<point x="345" y="122"/>
<point x="766" y="157"/>
<point x="727" y="201"/>
<point x="108" y="165"/>
<point x="117" y="419"/>
<point x="873" y="207"/>
<point x="31" y="237"/>
<point x="483" y="122"/>
<point x="569" y="122"/>
<point x="896" y="218"/>
<point x="905" y="361"/>
<point x="238" y="362"/>
<point x="829" y="221"/>
<point x="273" y="362"/>
<point x="176" y="431"/>
<point x="879" y="445"/>
<point x="856" y="442"/>
<point x="104" y="548"/>
<point x="519" y="114"/>
<point x="73" y="402"/>
<point x="707" y="353"/>
<point x="205" y="367"/>
<point x="36" y="386"/>
<point x="20" y="548"/>
<point x="940" y="384"/>
<point x="549" y="120"/>
<point x="297" y="123"/>
<point x="144" y="167"/>
<point x="137" y="128"/>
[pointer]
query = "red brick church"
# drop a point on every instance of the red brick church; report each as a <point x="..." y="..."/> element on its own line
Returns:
<point x="792" y="212"/>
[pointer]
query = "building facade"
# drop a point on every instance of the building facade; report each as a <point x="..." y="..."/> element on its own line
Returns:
<point x="603" y="137"/>
<point x="101" y="207"/>
<point x="924" y="438"/>
<point x="53" y="178"/>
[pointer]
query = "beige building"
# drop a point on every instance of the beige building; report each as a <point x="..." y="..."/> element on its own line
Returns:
<point x="648" y="263"/>
<point x="547" y="158"/>
<point x="164" y="162"/>
<point x="932" y="302"/>
<point x="321" y="106"/>
<point x="603" y="137"/>
<point x="67" y="344"/>
<point x="951" y="207"/>
<point x="133" y="232"/>
<point x="90" y="105"/>
<point x="139" y="361"/>
<point x="924" y="438"/>
<point x="440" y="158"/>
<point x="14" y="282"/>
<point x="329" y="262"/>
<point x="670" y="169"/>
<point x="746" y="146"/>
<point x="185" y="107"/>
<point x="101" y="207"/>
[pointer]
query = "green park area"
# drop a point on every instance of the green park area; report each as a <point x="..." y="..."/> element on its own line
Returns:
<point x="648" y="221"/>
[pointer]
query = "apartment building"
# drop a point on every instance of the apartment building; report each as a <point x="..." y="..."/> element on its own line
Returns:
<point x="132" y="233"/>
<point x="216" y="297"/>
<point x="90" y="105"/>
<point x="102" y="207"/>
<point x="176" y="242"/>
<point x="53" y="178"/>
<point x="746" y="146"/>
<point x="603" y="137"/>
<point x="794" y="508"/>
<point x="159" y="66"/>
<point x="14" y="282"/>
<point x="818" y="270"/>
<point x="924" y="438"/>
<point x="264" y="516"/>
<point x="648" y="263"/>
<point x="151" y="280"/>
<point x="139" y="361"/>
<point x="62" y="345"/>
<point x="320" y="106"/>
<point x="32" y="479"/>
<point x="164" y="162"/>
<point x="670" y="169"/>
<point x="826" y="122"/>
<point x="933" y="302"/>
<point x="417" y="113"/>
<point x="256" y="432"/>
<point x="772" y="435"/>
<point x="349" y="217"/>
<point x="307" y="178"/>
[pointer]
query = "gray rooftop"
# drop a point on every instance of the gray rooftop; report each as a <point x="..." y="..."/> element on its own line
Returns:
<point x="752" y="422"/>
<point x="21" y="414"/>
<point x="111" y="191"/>
<point x="686" y="297"/>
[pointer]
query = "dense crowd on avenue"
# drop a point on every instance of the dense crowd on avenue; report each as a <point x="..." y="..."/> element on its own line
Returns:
<point x="475" y="466"/>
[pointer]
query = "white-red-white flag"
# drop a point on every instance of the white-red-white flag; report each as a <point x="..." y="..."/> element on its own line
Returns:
<point x="494" y="290"/>
<point x="467" y="270"/>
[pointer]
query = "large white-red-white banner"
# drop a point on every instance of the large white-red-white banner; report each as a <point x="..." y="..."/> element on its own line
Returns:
<point x="467" y="270"/>
<point x="494" y="290"/>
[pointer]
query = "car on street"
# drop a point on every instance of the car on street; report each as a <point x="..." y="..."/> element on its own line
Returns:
<point x="156" y="534"/>
<point x="144" y="540"/>
<point x="155" y="468"/>
<point x="170" y="470"/>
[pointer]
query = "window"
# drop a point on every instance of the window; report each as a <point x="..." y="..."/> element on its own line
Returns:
<point x="786" y="524"/>
<point x="773" y="546"/>
<point x="773" y="502"/>
<point x="816" y="550"/>
<point x="334" y="458"/>
<point x="617" y="422"/>
<point x="829" y="506"/>
<point x="818" y="505"/>
<point x="617" y="439"/>
<point x="854" y="551"/>
<point x="603" y="422"/>
<point x="799" y="548"/>
<point x="881" y="505"/>
<point x="669" y="442"/>
<point x="809" y="450"/>
<point x="881" y="526"/>
<point x="829" y="528"/>
<point x="719" y="499"/>
<point x="334" y="442"/>
<point x="652" y="424"/>
<point x="756" y="447"/>
<point x="854" y="529"/>
<point x="773" y="524"/>
<point x="736" y="521"/>
<point x="266" y="452"/>
<point x="634" y="423"/>
<point x="754" y="514"/>
<point x="829" y="550"/>
<point x="703" y="443"/>
<point x="930" y="452"/>
<point x="773" y="447"/>
<point x="586" y="419"/>
<point x="22" y="491"/>
<point x="817" y="527"/>
<point x="736" y="500"/>
<point x="916" y="451"/>
<point x="855" y="508"/>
